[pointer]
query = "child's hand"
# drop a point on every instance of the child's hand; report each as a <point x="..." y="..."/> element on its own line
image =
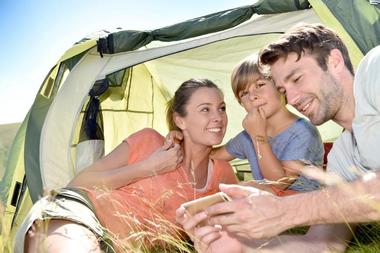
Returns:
<point x="174" y="136"/>
<point x="255" y="122"/>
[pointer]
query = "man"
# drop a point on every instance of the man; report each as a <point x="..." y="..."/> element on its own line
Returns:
<point x="310" y="64"/>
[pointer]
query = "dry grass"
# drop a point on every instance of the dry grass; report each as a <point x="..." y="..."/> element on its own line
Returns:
<point x="366" y="239"/>
<point x="141" y="235"/>
<point x="150" y="236"/>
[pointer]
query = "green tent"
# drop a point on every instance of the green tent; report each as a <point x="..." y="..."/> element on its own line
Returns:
<point x="114" y="83"/>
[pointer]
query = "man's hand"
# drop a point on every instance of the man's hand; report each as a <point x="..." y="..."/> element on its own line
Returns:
<point x="202" y="236"/>
<point x="252" y="214"/>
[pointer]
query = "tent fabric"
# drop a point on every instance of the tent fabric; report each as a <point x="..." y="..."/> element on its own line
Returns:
<point x="87" y="153"/>
<point x="275" y="6"/>
<point x="131" y="40"/>
<point x="360" y="19"/>
<point x="15" y="160"/>
<point x="38" y="112"/>
<point x="14" y="174"/>
<point x="327" y="17"/>
<point x="211" y="56"/>
<point x="32" y="140"/>
<point x="271" y="24"/>
<point x="65" y="108"/>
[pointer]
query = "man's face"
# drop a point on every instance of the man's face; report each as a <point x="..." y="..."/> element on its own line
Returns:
<point x="311" y="90"/>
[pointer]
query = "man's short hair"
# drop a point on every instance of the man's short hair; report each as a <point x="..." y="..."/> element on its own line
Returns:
<point x="314" y="39"/>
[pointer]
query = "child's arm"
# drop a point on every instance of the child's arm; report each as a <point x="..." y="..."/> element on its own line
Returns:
<point x="220" y="153"/>
<point x="271" y="168"/>
<point x="283" y="172"/>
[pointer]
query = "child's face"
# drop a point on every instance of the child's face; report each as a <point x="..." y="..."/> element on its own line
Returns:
<point x="261" y="92"/>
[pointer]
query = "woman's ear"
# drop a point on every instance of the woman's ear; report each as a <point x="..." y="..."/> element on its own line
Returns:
<point x="178" y="120"/>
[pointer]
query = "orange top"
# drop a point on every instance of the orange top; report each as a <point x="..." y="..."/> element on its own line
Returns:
<point x="151" y="202"/>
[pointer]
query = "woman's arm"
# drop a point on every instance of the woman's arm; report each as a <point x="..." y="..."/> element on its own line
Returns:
<point x="113" y="170"/>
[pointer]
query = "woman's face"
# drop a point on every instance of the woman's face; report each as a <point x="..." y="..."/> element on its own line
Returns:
<point x="262" y="93"/>
<point x="206" y="119"/>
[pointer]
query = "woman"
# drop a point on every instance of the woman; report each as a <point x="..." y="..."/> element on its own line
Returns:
<point x="277" y="143"/>
<point x="106" y="203"/>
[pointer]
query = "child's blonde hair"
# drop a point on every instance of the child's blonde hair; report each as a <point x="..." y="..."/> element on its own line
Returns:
<point x="243" y="74"/>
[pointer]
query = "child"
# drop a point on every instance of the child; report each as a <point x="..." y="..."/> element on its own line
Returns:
<point x="277" y="143"/>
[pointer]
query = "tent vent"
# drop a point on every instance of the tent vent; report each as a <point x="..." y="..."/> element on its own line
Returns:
<point x="48" y="87"/>
<point x="102" y="46"/>
<point x="91" y="127"/>
<point x="16" y="193"/>
<point x="105" y="45"/>
<point x="302" y="5"/>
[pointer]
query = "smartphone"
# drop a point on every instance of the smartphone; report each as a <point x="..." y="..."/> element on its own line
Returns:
<point x="197" y="205"/>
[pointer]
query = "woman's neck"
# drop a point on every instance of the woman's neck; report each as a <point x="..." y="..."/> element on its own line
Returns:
<point x="280" y="121"/>
<point x="195" y="162"/>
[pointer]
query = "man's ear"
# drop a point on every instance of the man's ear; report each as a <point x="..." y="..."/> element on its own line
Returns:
<point x="335" y="60"/>
<point x="178" y="120"/>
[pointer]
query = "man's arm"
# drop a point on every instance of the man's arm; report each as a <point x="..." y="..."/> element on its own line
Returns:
<point x="356" y="201"/>
<point x="319" y="238"/>
<point x="264" y="215"/>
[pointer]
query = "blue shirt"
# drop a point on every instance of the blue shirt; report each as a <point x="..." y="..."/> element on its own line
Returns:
<point x="301" y="141"/>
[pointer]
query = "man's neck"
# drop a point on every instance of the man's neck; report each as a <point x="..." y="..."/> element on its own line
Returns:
<point x="346" y="113"/>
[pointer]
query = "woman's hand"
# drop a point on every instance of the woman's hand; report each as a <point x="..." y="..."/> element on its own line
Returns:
<point x="202" y="236"/>
<point x="166" y="158"/>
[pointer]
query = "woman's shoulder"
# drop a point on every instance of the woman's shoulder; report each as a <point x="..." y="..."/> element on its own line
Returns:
<point x="146" y="134"/>
<point x="221" y="163"/>
<point x="222" y="166"/>
<point x="223" y="172"/>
